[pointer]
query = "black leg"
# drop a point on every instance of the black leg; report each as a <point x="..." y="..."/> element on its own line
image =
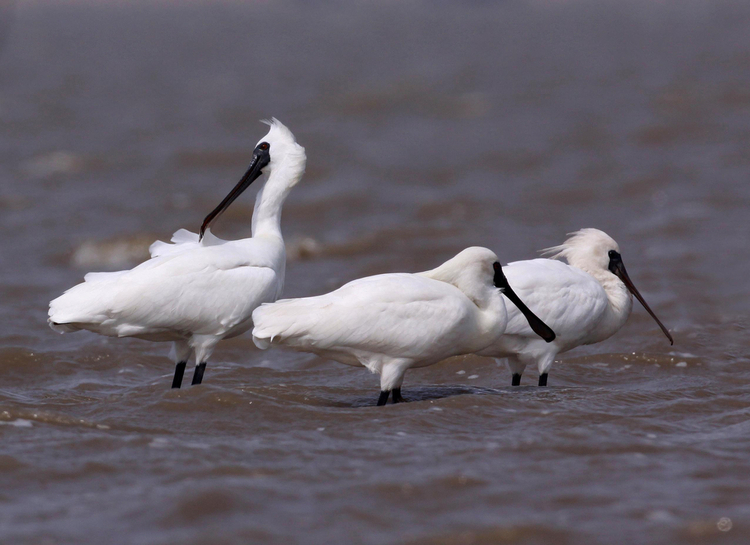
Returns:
<point x="179" y="370"/>
<point x="383" y="399"/>
<point x="516" y="380"/>
<point x="543" y="379"/>
<point x="397" y="396"/>
<point x="198" y="376"/>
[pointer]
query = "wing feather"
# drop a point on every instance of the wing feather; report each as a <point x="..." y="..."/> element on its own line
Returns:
<point x="183" y="241"/>
<point x="396" y="315"/>
<point x="207" y="290"/>
<point x="565" y="298"/>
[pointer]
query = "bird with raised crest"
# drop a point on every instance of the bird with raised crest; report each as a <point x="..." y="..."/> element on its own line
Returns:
<point x="585" y="301"/>
<point x="199" y="289"/>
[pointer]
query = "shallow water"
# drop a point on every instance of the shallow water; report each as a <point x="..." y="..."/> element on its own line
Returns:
<point x="428" y="128"/>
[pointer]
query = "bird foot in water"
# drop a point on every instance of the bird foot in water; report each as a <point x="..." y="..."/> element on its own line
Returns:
<point x="383" y="399"/>
<point x="397" y="396"/>
<point x="516" y="380"/>
<point x="179" y="370"/>
<point x="198" y="376"/>
<point x="543" y="379"/>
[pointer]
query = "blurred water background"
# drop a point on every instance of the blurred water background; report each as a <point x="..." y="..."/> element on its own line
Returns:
<point x="429" y="127"/>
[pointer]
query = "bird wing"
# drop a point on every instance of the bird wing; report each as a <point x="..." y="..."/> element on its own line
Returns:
<point x="395" y="315"/>
<point x="567" y="299"/>
<point x="182" y="241"/>
<point x="202" y="290"/>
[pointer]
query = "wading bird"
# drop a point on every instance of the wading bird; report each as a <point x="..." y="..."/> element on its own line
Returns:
<point x="200" y="289"/>
<point x="389" y="323"/>
<point x="585" y="302"/>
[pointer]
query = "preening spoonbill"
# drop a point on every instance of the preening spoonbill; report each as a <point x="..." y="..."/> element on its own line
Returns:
<point x="585" y="302"/>
<point x="200" y="289"/>
<point x="389" y="323"/>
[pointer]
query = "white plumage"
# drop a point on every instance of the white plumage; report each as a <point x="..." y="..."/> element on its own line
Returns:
<point x="391" y="322"/>
<point x="197" y="290"/>
<point x="584" y="302"/>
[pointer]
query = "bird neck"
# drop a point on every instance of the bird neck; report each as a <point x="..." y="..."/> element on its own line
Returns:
<point x="491" y="314"/>
<point x="620" y="304"/>
<point x="268" y="203"/>
<point x="481" y="295"/>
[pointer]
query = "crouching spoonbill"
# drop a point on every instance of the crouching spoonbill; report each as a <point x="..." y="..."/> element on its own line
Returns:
<point x="389" y="323"/>
<point x="585" y="302"/>
<point x="200" y="289"/>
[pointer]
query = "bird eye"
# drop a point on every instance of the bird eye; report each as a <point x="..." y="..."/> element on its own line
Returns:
<point x="264" y="146"/>
<point x="612" y="254"/>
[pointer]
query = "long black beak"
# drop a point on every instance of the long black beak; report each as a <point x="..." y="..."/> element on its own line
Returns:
<point x="537" y="325"/>
<point x="261" y="158"/>
<point x="617" y="268"/>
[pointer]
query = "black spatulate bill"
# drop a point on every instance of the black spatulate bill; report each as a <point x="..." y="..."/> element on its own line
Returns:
<point x="261" y="158"/>
<point x="617" y="268"/>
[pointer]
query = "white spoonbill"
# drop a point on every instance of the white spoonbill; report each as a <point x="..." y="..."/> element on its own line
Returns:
<point x="201" y="289"/>
<point x="389" y="323"/>
<point x="585" y="302"/>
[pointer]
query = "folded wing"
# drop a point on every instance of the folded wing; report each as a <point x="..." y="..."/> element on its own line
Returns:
<point x="566" y="299"/>
<point x="187" y="286"/>
<point x="396" y="315"/>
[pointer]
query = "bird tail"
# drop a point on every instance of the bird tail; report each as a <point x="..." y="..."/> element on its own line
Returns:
<point x="262" y="343"/>
<point x="61" y="328"/>
<point x="84" y="303"/>
<point x="281" y="322"/>
<point x="265" y="325"/>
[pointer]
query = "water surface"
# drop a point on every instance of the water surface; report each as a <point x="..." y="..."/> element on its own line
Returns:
<point x="428" y="128"/>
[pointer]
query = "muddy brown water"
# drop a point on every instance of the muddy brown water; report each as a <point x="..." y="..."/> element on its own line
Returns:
<point x="429" y="127"/>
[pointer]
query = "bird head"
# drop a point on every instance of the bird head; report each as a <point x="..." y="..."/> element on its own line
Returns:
<point x="596" y="253"/>
<point x="277" y="152"/>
